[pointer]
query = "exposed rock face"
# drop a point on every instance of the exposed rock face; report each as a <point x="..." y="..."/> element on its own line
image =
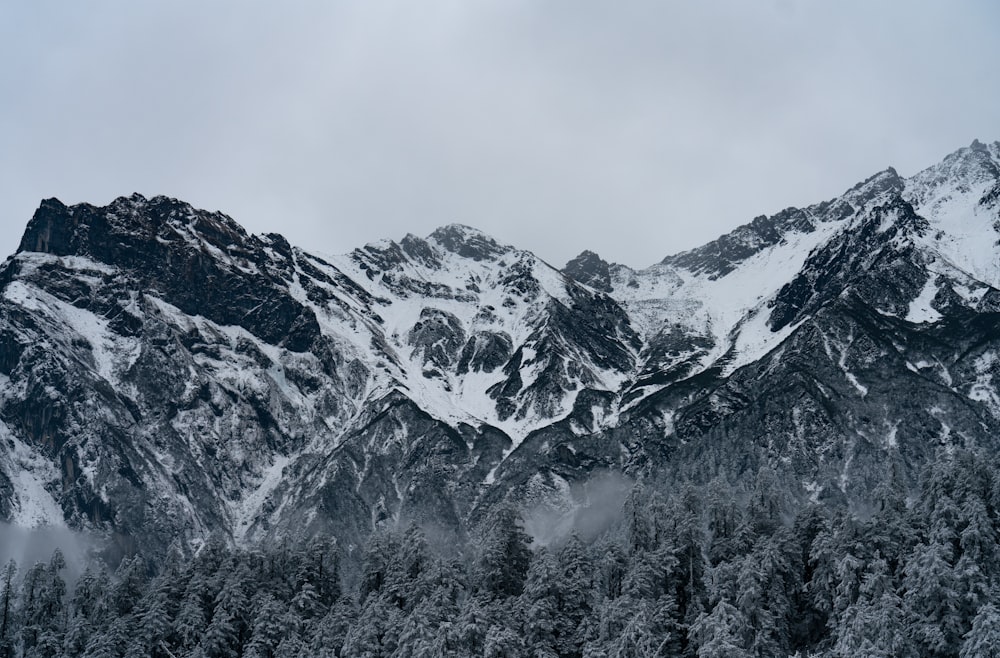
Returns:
<point x="164" y="374"/>
<point x="485" y="352"/>
<point x="590" y="269"/>
<point x="437" y="338"/>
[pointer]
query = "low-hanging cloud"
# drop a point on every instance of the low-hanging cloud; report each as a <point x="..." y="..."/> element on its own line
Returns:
<point x="590" y="507"/>
<point x="27" y="546"/>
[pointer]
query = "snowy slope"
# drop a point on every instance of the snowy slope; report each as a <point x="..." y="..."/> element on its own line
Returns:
<point x="491" y="291"/>
<point x="722" y="293"/>
<point x="960" y="197"/>
<point x="159" y="365"/>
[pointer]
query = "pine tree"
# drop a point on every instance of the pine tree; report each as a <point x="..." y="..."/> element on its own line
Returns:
<point x="130" y="582"/>
<point x="472" y="625"/>
<point x="876" y="623"/>
<point x="875" y="628"/>
<point x="189" y="625"/>
<point x="376" y="632"/>
<point x="154" y="622"/>
<point x="331" y="631"/>
<point x="975" y="571"/>
<point x="612" y="565"/>
<point x="220" y="639"/>
<point x="268" y="627"/>
<point x="983" y="640"/>
<point x="7" y="610"/>
<point x="635" y="627"/>
<point x="540" y="599"/>
<point x="932" y="599"/>
<point x="576" y="605"/>
<point x="109" y="641"/>
<point x="503" y="642"/>
<point x="378" y="564"/>
<point x="766" y="585"/>
<point x="639" y="528"/>
<point x="319" y="565"/>
<point x="427" y="629"/>
<point x="291" y="646"/>
<point x="506" y="554"/>
<point x="720" y="633"/>
<point x="32" y="603"/>
<point x="232" y="598"/>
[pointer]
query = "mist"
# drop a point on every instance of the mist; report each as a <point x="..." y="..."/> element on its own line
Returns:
<point x="28" y="546"/>
<point x="589" y="508"/>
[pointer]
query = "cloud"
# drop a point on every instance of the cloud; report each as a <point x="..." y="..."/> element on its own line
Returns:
<point x="635" y="130"/>
<point x="589" y="508"/>
<point x="27" y="546"/>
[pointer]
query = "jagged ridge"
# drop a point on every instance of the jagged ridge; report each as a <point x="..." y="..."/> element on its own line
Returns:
<point x="165" y="374"/>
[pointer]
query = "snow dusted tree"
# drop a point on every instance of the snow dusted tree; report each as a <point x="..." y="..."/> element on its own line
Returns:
<point x="932" y="599"/>
<point x="189" y="624"/>
<point x="154" y="623"/>
<point x="378" y="564"/>
<point x="7" y="610"/>
<point x="720" y="633"/>
<point x="376" y="631"/>
<point x="220" y="639"/>
<point x="506" y="555"/>
<point x="540" y="606"/>
<point x="876" y="623"/>
<point x="975" y="570"/>
<point x="268" y="627"/>
<point x="503" y="642"/>
<point x="983" y="640"/>
<point x="331" y="631"/>
<point x="33" y="601"/>
<point x="319" y="566"/>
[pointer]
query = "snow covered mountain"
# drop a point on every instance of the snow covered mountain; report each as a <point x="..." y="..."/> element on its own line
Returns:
<point x="164" y="374"/>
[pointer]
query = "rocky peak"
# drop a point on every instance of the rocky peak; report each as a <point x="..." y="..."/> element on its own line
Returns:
<point x="970" y="167"/>
<point x="203" y="263"/>
<point x="874" y="189"/>
<point x="419" y="250"/>
<point x="720" y="257"/>
<point x="876" y="256"/>
<point x="590" y="269"/>
<point x="468" y="242"/>
<point x="438" y="376"/>
<point x="115" y="233"/>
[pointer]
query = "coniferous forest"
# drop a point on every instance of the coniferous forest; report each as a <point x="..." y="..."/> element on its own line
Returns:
<point x="713" y="570"/>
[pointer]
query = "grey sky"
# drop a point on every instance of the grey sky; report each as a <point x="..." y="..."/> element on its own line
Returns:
<point x="635" y="129"/>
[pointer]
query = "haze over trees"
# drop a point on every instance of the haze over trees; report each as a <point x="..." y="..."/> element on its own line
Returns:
<point x="723" y="568"/>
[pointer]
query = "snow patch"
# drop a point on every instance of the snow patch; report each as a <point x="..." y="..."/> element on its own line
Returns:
<point x="245" y="511"/>
<point x="983" y="390"/>
<point x="920" y="310"/>
<point x="111" y="353"/>
<point x="755" y="339"/>
<point x="32" y="476"/>
<point x="814" y="489"/>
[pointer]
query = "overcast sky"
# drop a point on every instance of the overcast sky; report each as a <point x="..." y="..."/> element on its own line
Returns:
<point x="635" y="129"/>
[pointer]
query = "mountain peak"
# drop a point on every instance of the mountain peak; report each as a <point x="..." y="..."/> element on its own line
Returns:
<point x="976" y="145"/>
<point x="101" y="232"/>
<point x="971" y="166"/>
<point x="467" y="242"/>
<point x="590" y="269"/>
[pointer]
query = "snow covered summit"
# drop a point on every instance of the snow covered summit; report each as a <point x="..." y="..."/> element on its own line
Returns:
<point x="164" y="373"/>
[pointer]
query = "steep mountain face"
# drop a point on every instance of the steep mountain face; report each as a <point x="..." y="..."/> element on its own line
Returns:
<point x="164" y="374"/>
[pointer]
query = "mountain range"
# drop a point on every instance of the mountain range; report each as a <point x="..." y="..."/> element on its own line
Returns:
<point x="165" y="375"/>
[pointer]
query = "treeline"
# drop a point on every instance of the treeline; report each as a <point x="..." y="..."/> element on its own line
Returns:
<point x="716" y="570"/>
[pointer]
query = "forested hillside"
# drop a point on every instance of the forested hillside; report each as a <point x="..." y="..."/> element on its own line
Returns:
<point x="713" y="570"/>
